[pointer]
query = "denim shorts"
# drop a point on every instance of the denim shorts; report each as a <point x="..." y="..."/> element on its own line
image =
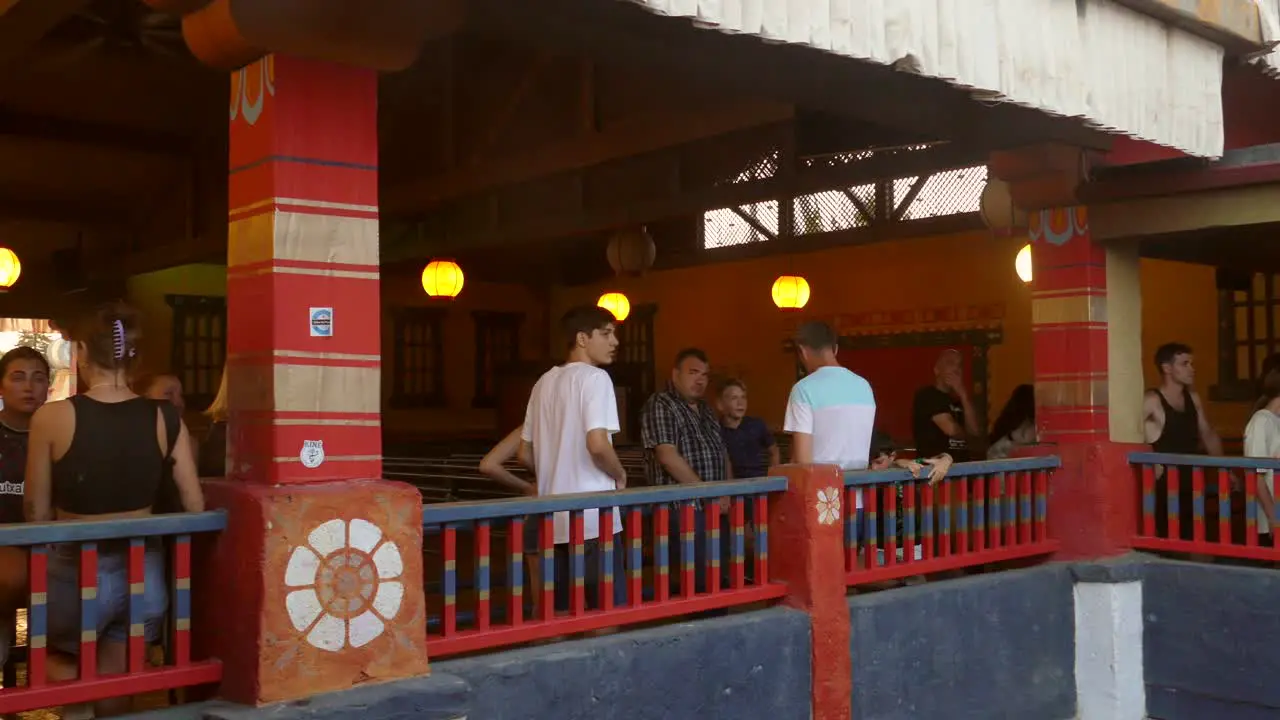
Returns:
<point x="112" y="605"/>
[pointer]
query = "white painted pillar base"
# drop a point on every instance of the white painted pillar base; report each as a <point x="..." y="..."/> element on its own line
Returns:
<point x="1109" y="678"/>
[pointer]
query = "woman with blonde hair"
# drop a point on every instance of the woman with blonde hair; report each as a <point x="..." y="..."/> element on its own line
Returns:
<point x="213" y="449"/>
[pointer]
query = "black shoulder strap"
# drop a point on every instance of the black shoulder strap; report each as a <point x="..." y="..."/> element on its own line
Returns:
<point x="172" y="425"/>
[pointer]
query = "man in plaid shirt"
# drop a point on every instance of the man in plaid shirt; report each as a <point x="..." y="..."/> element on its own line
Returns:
<point x="683" y="445"/>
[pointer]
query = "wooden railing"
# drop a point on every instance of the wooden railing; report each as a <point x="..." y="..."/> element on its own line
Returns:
<point x="981" y="513"/>
<point x="482" y="547"/>
<point x="86" y="540"/>
<point x="1197" y="504"/>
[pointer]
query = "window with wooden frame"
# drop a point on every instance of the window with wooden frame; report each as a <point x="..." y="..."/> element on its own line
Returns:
<point x="497" y="347"/>
<point x="1248" y="331"/>
<point x="418" y="358"/>
<point x="199" y="345"/>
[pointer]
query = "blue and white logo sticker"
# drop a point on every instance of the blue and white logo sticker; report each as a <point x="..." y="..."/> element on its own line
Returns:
<point x="322" y="322"/>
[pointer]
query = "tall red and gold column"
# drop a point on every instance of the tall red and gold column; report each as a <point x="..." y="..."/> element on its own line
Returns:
<point x="1086" y="322"/>
<point x="319" y="573"/>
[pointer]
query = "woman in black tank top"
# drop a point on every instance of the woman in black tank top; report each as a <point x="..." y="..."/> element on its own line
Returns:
<point x="102" y="455"/>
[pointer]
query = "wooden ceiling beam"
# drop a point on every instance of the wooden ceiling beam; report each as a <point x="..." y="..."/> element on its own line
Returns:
<point x="754" y="67"/>
<point x="78" y="132"/>
<point x="636" y="137"/>
<point x="22" y="205"/>
<point x="24" y="22"/>
<point x="507" y="227"/>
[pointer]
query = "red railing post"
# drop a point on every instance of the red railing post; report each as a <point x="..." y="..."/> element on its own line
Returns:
<point x="1093" y="498"/>
<point x="807" y="522"/>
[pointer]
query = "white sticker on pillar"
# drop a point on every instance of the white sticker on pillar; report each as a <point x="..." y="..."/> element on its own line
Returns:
<point x="322" y="322"/>
<point x="312" y="455"/>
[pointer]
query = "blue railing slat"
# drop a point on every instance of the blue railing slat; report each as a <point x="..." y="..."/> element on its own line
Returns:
<point x="68" y="531"/>
<point x="1205" y="461"/>
<point x="491" y="509"/>
<point x="854" y="478"/>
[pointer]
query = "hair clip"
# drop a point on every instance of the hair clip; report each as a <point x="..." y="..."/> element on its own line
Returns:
<point x="118" y="339"/>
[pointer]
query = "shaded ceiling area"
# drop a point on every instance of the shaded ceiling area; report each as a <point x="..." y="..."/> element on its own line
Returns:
<point x="536" y="130"/>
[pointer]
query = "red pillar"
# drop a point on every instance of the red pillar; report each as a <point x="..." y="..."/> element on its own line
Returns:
<point x="316" y="585"/>
<point x="1093" y="498"/>
<point x="807" y="528"/>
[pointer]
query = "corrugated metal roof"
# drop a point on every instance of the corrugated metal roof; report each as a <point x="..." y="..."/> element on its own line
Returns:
<point x="1117" y="69"/>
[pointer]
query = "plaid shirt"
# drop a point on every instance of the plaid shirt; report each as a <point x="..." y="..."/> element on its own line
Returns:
<point x="694" y="432"/>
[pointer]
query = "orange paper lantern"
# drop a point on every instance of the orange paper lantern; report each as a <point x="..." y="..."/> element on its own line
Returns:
<point x="790" y="292"/>
<point x="616" y="303"/>
<point x="10" y="268"/>
<point x="442" y="279"/>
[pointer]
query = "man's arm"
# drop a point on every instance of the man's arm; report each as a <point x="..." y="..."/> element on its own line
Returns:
<point x="492" y="464"/>
<point x="1208" y="436"/>
<point x="674" y="463"/>
<point x="605" y="457"/>
<point x="799" y="422"/>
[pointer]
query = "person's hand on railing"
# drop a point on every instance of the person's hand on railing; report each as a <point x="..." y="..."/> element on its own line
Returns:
<point x="938" y="467"/>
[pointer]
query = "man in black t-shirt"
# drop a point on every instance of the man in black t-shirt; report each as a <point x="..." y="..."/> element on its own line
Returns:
<point x="942" y="416"/>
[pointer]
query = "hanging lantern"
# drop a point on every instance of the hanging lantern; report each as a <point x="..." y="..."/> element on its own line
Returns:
<point x="10" y="269"/>
<point x="1022" y="263"/>
<point x="616" y="303"/>
<point x="442" y="279"/>
<point x="790" y="292"/>
<point x="631" y="251"/>
<point x="998" y="209"/>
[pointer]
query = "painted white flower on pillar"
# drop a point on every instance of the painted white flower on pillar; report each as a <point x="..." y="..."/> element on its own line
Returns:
<point x="343" y="584"/>
<point x="828" y="505"/>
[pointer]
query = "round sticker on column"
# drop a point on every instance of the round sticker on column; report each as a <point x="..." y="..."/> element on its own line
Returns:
<point x="312" y="455"/>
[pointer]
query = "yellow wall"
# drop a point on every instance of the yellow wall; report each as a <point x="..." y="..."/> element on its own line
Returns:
<point x="147" y="295"/>
<point x="726" y="309"/>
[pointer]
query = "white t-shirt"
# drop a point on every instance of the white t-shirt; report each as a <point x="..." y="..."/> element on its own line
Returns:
<point x="837" y="408"/>
<point x="566" y="403"/>
<point x="1262" y="440"/>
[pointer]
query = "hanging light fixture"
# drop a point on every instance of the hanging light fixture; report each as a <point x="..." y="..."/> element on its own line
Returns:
<point x="790" y="292"/>
<point x="1022" y="263"/>
<point x="442" y="279"/>
<point x="616" y="303"/>
<point x="10" y="268"/>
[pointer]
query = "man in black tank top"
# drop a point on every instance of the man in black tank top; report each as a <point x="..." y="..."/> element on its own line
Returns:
<point x="1174" y="422"/>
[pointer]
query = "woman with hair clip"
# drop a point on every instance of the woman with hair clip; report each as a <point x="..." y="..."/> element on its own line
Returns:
<point x="101" y="455"/>
<point x="1262" y="440"/>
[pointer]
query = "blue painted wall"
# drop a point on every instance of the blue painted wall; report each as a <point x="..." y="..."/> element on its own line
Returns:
<point x="752" y="666"/>
<point x="989" y="646"/>
<point x="1212" y="641"/>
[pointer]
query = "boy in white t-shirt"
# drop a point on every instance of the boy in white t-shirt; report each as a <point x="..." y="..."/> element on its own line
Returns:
<point x="567" y="440"/>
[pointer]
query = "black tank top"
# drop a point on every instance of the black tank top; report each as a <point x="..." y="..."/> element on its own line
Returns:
<point x="1181" y="433"/>
<point x="114" y="463"/>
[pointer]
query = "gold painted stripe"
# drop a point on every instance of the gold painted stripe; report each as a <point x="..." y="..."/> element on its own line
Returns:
<point x="1080" y="308"/>
<point x="323" y="423"/>
<point x="88" y="635"/>
<point x="1073" y="393"/>
<point x="39" y="642"/>
<point x="136" y="588"/>
<point x="301" y="354"/>
<point x="183" y="583"/>
<point x="303" y="237"/>
<point x="305" y="388"/>
<point x="1065" y="292"/>
<point x="135" y="630"/>
<point x="39" y="598"/>
<point x="183" y="623"/>
<point x="319" y="204"/>
<point x="1083" y="375"/>
<point x="317" y="272"/>
<point x="329" y="458"/>
<point x="89" y="593"/>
